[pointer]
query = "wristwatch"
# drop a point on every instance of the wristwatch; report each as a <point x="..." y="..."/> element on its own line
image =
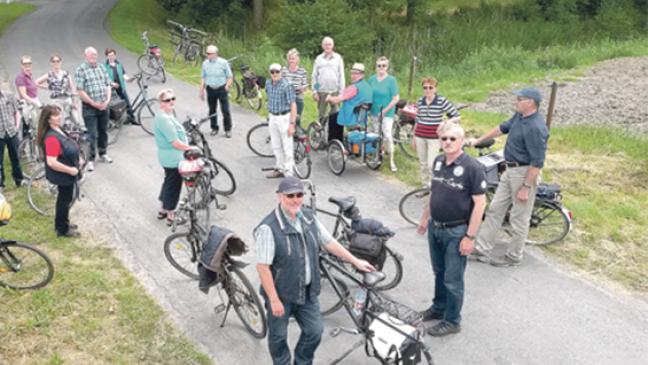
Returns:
<point x="470" y="237"/>
<point x="527" y="185"/>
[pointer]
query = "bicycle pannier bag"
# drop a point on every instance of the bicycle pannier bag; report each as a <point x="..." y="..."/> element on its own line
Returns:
<point x="368" y="247"/>
<point x="117" y="108"/>
<point x="391" y="345"/>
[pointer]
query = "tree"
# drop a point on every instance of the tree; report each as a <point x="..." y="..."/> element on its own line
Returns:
<point x="257" y="14"/>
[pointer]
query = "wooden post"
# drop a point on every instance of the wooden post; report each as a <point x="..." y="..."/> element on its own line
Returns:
<point x="552" y="103"/>
<point x="411" y="76"/>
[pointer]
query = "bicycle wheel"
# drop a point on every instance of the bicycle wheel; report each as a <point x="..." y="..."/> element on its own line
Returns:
<point x="374" y="158"/>
<point x="222" y="182"/>
<point x="180" y="251"/>
<point x="161" y="71"/>
<point x="255" y="99"/>
<point x="412" y="204"/>
<point x="146" y="114"/>
<point x="41" y="194"/>
<point x="23" y="266"/>
<point x="302" y="160"/>
<point x="393" y="270"/>
<point x="246" y="302"/>
<point x="316" y="136"/>
<point x="549" y="223"/>
<point x="29" y="157"/>
<point x="146" y="65"/>
<point x="258" y="140"/>
<point x="236" y="89"/>
<point x="200" y="199"/>
<point x="403" y="135"/>
<point x="335" y="156"/>
<point x="193" y="54"/>
<point x="330" y="301"/>
<point x="113" y="129"/>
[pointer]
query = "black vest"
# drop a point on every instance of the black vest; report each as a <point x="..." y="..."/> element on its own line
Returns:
<point x="288" y="266"/>
<point x="69" y="156"/>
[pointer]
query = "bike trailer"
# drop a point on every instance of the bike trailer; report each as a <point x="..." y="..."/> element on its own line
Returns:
<point x="357" y="138"/>
<point x="221" y="242"/>
<point x="393" y="341"/>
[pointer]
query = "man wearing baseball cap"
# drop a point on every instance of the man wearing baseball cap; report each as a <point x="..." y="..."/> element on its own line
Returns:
<point x="525" y="151"/>
<point x="359" y="92"/>
<point x="288" y="241"/>
<point x="282" y="116"/>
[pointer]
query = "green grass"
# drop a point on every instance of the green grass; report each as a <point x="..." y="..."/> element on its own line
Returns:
<point x="10" y="12"/>
<point x="603" y="171"/>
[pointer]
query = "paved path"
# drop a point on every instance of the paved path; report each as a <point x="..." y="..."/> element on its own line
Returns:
<point x="534" y="314"/>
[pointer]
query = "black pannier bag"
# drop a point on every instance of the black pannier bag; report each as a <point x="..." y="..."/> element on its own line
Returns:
<point x="369" y="247"/>
<point x="117" y="108"/>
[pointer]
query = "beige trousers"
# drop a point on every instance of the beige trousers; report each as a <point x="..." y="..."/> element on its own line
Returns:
<point x="427" y="150"/>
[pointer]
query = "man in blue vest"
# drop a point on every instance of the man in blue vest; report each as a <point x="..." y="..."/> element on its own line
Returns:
<point x="359" y="92"/>
<point x="288" y="241"/>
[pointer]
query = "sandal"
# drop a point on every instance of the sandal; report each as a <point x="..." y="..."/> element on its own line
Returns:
<point x="161" y="215"/>
<point x="275" y="174"/>
<point x="179" y="220"/>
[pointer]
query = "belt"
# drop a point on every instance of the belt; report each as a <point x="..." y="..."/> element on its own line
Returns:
<point x="450" y="224"/>
<point x="280" y="113"/>
<point x="216" y="87"/>
<point x="515" y="164"/>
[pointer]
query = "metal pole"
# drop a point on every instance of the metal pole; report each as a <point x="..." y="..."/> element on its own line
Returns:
<point x="411" y="77"/>
<point x="552" y="103"/>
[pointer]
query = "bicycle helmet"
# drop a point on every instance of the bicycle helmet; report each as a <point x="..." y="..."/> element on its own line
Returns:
<point x="5" y="211"/>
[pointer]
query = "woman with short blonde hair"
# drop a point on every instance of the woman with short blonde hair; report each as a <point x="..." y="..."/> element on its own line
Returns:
<point x="296" y="76"/>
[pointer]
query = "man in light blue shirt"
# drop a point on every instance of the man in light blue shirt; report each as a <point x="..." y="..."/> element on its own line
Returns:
<point x="216" y="78"/>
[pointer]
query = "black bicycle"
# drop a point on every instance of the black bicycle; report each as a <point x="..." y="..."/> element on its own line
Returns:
<point x="258" y="140"/>
<point x="550" y="221"/>
<point x="391" y="332"/>
<point x="151" y="61"/>
<point x="188" y="42"/>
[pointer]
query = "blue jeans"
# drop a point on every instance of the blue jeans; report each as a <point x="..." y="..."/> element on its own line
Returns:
<point x="96" y="121"/>
<point x="12" y="146"/>
<point x="309" y="320"/>
<point x="449" y="267"/>
<point x="215" y="96"/>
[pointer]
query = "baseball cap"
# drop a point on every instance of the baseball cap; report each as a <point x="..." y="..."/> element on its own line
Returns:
<point x="531" y="93"/>
<point x="358" y="67"/>
<point x="289" y="185"/>
<point x="274" y="67"/>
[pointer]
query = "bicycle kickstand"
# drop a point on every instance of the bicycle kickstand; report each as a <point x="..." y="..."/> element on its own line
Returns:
<point x="229" y="305"/>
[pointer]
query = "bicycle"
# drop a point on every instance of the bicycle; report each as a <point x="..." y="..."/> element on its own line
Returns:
<point x="317" y="133"/>
<point x="28" y="152"/>
<point x="144" y="108"/>
<point x="117" y="115"/>
<point x="251" y="88"/>
<point x="403" y="132"/>
<point x="391" y="331"/>
<point x="342" y="232"/>
<point x="367" y="147"/>
<point x="221" y="183"/>
<point x="183" y="251"/>
<point x="189" y="42"/>
<point x="259" y="142"/>
<point x="151" y="62"/>
<point x="550" y="221"/>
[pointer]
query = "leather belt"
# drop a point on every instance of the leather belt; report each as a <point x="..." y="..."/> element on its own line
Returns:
<point x="450" y="224"/>
<point x="280" y="113"/>
<point x="515" y="164"/>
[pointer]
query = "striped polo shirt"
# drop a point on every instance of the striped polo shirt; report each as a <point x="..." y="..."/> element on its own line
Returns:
<point x="429" y="116"/>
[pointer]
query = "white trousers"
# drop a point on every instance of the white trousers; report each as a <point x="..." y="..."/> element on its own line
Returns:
<point x="388" y="137"/>
<point x="282" y="144"/>
<point x="427" y="150"/>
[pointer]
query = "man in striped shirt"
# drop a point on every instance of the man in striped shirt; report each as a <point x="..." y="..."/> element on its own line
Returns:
<point x="431" y="108"/>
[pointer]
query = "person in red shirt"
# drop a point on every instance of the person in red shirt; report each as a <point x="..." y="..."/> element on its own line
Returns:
<point x="62" y="166"/>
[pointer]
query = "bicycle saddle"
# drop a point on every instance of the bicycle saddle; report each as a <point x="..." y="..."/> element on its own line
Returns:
<point x="372" y="278"/>
<point x="401" y="104"/>
<point x="363" y="106"/>
<point x="344" y="203"/>
<point x="485" y="143"/>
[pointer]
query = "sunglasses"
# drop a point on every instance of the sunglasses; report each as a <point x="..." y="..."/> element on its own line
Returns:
<point x="428" y="87"/>
<point x="275" y="72"/>
<point x="452" y="139"/>
<point x="211" y="52"/>
<point x="381" y="65"/>
<point x="26" y="63"/>
<point x="56" y="61"/>
<point x="294" y="195"/>
<point x="168" y="100"/>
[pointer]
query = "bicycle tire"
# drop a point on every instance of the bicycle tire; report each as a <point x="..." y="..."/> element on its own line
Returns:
<point x="237" y="88"/>
<point x="245" y="300"/>
<point x="335" y="157"/>
<point x="146" y="114"/>
<point x="28" y="157"/>
<point x="193" y="54"/>
<point x="113" y="129"/>
<point x="330" y="301"/>
<point x="412" y="204"/>
<point x="549" y="223"/>
<point x="316" y="136"/>
<point x="201" y="197"/>
<point x="255" y="99"/>
<point x="403" y="135"/>
<point x="374" y="159"/>
<point x="19" y="256"/>
<point x="303" y="163"/>
<point x="259" y="141"/>
<point x="223" y="183"/>
<point x="42" y="202"/>
<point x="162" y="72"/>
<point x="393" y="270"/>
<point x="145" y="65"/>
<point x="180" y="252"/>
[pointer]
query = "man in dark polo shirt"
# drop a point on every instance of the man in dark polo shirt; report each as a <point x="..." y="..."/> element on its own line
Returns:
<point x="525" y="151"/>
<point x="452" y="219"/>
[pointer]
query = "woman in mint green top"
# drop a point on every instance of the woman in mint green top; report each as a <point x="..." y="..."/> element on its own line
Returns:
<point x="385" y="97"/>
<point x="171" y="141"/>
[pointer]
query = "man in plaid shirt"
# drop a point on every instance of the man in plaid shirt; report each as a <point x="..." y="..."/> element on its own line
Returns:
<point x="282" y="116"/>
<point x="9" y="122"/>
<point x="93" y="85"/>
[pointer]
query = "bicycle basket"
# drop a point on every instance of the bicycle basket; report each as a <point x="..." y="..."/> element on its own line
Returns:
<point x="548" y="192"/>
<point x="408" y="113"/>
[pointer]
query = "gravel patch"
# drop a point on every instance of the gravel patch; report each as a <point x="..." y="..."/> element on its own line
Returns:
<point x="612" y="92"/>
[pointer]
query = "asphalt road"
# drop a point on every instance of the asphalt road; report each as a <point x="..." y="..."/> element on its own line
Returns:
<point x="538" y="313"/>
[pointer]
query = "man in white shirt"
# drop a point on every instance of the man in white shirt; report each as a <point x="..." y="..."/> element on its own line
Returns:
<point x="328" y="77"/>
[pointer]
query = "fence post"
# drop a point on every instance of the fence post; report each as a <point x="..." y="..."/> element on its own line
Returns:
<point x="411" y="76"/>
<point x="552" y="103"/>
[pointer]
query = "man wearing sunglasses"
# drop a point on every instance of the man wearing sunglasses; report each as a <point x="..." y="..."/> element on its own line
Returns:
<point x="452" y="219"/>
<point x="282" y="116"/>
<point x="288" y="241"/>
<point x="525" y="151"/>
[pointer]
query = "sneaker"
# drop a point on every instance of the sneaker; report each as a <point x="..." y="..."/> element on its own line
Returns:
<point x="504" y="261"/>
<point x="228" y="134"/>
<point x="477" y="255"/>
<point x="105" y="158"/>
<point x="90" y="166"/>
<point x="213" y="132"/>
<point x="443" y="328"/>
<point x="429" y="315"/>
<point x="393" y="168"/>
<point x="69" y="233"/>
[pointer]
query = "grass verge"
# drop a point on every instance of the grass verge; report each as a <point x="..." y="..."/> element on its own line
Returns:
<point x="603" y="171"/>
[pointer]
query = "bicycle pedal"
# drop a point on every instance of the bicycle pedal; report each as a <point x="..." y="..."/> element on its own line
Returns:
<point x="219" y="308"/>
<point x="335" y="332"/>
<point x="221" y="206"/>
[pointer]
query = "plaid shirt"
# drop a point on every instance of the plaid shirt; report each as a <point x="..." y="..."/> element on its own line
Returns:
<point x="280" y="96"/>
<point x="94" y="80"/>
<point x="8" y="108"/>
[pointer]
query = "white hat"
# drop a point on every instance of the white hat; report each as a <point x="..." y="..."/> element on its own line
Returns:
<point x="358" y="67"/>
<point x="274" y="67"/>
